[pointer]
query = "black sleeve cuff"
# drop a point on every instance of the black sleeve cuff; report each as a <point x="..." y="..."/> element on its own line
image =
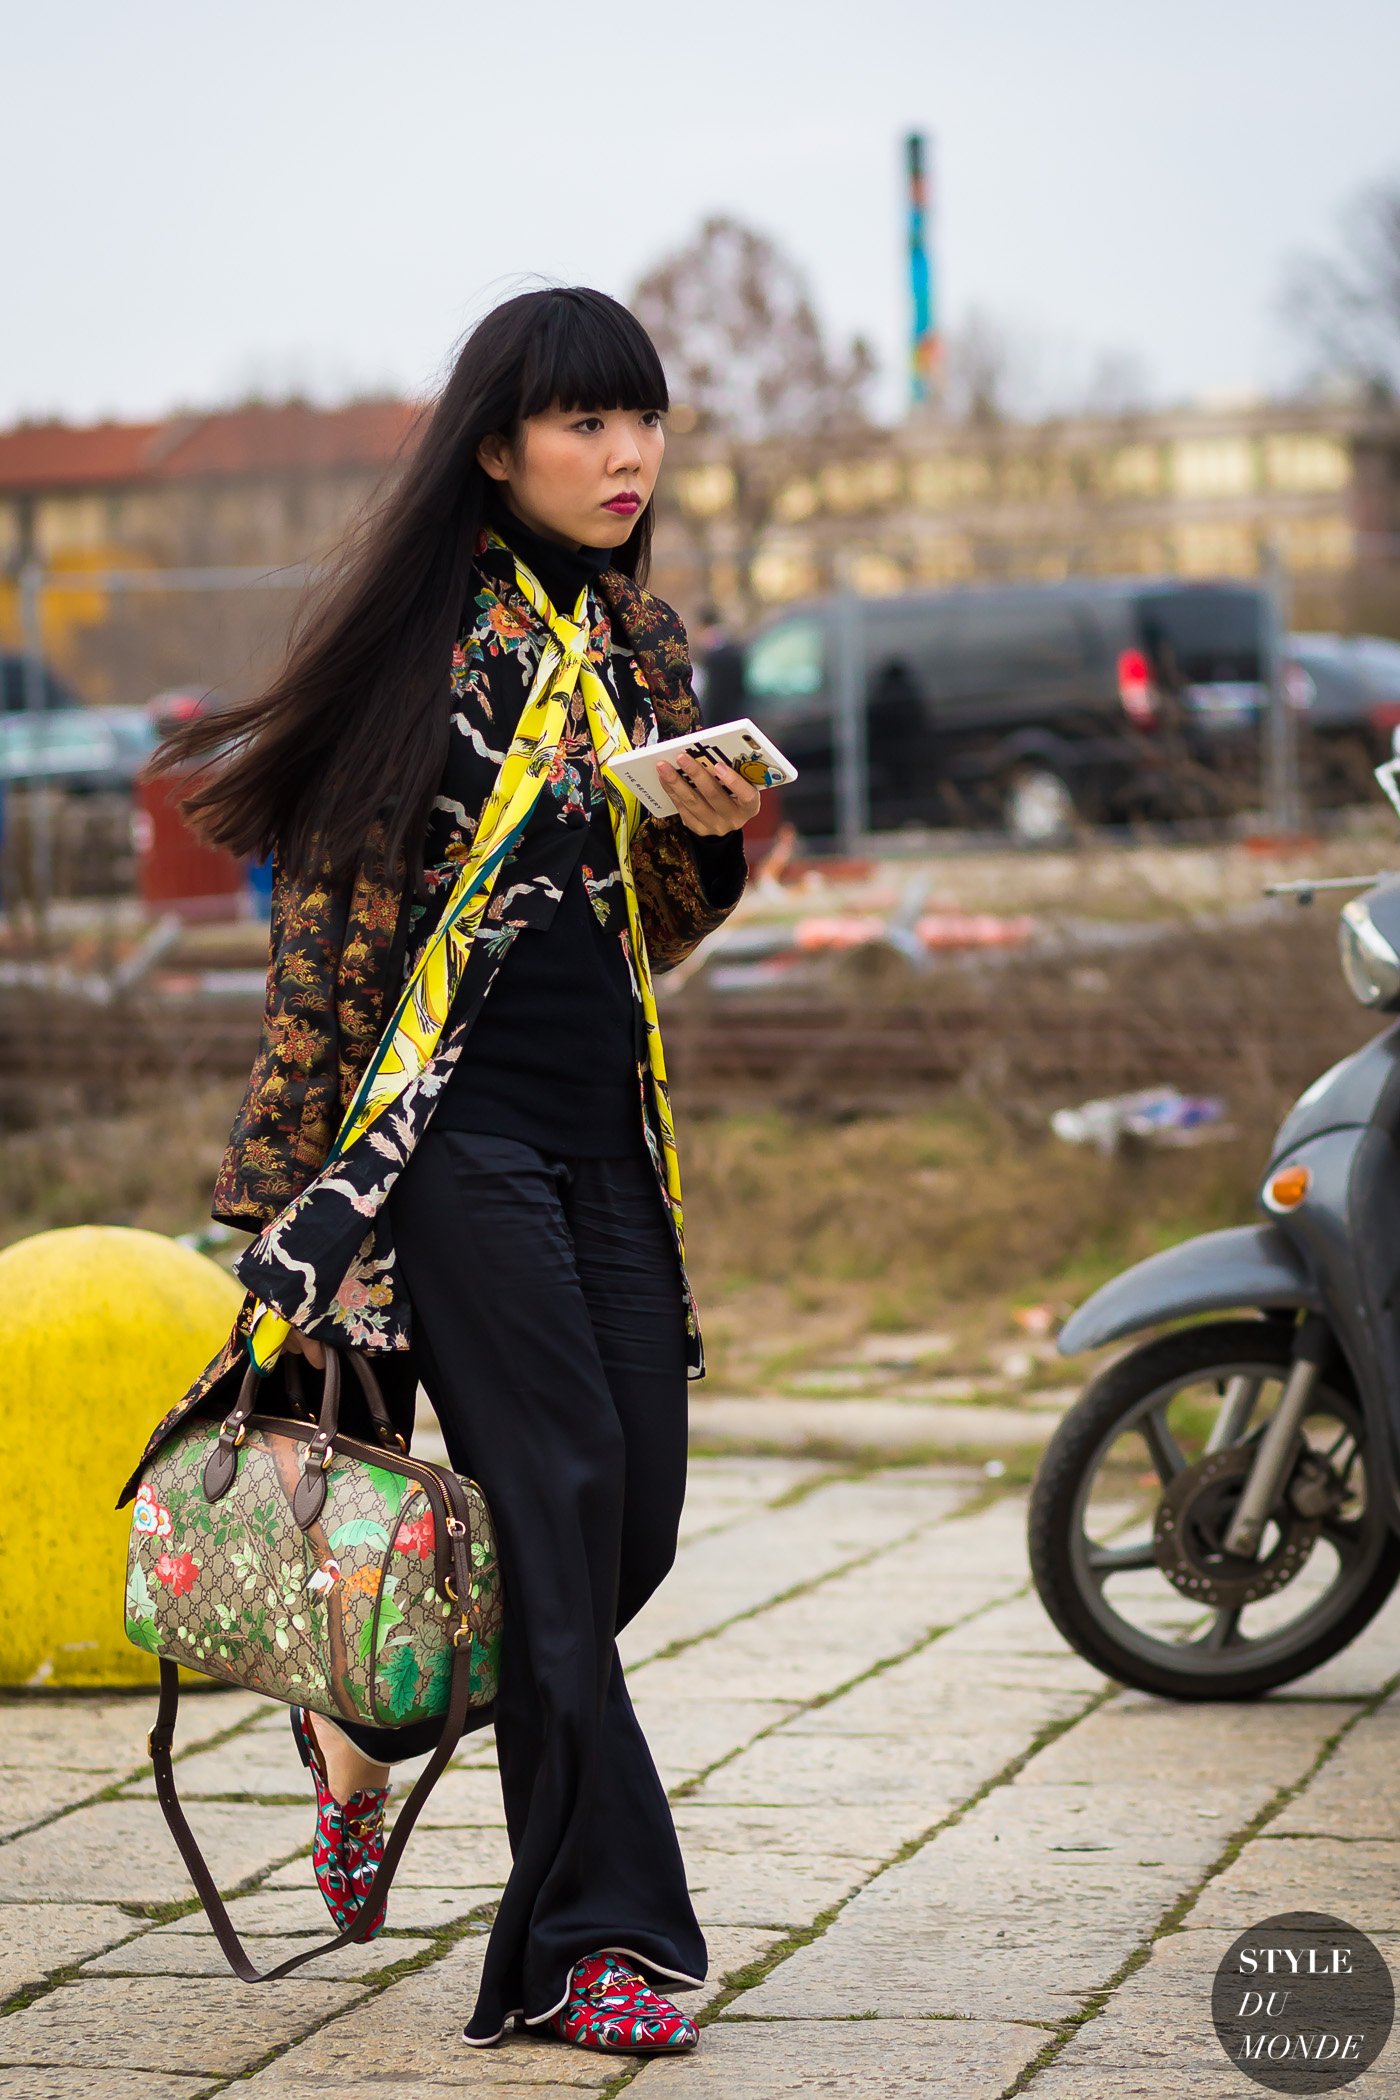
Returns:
<point x="721" y="865"/>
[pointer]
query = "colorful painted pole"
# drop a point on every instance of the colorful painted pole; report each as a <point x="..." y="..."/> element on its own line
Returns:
<point x="924" y="345"/>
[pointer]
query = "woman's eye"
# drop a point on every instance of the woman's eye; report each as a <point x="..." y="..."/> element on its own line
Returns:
<point x="653" y="416"/>
<point x="589" y="423"/>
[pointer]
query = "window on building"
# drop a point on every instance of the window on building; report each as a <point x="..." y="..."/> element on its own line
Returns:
<point x="781" y="572"/>
<point x="1133" y="470"/>
<point x="1318" y="543"/>
<point x="1300" y="462"/>
<point x="877" y="575"/>
<point x="707" y="490"/>
<point x="1206" y="549"/>
<point x="953" y="478"/>
<point x="860" y="484"/>
<point x="1205" y="467"/>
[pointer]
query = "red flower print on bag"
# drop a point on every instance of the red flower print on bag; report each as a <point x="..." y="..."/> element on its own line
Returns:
<point x="416" y="1537"/>
<point x="177" y="1571"/>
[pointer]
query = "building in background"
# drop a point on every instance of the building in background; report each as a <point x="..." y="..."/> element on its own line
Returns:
<point x="1198" y="492"/>
<point x="260" y="486"/>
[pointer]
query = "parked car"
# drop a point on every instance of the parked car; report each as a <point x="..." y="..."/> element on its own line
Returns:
<point x="14" y="686"/>
<point x="1033" y="706"/>
<point x="83" y="750"/>
<point x="1347" y="688"/>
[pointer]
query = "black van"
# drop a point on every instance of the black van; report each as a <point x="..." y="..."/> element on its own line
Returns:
<point x="1032" y="706"/>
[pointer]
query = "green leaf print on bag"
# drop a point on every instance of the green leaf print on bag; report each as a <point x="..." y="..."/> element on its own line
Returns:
<point x="360" y="1531"/>
<point x="140" y="1610"/>
<point x="379" y="1622"/>
<point x="390" y="1485"/>
<point x="400" y="1678"/>
<point x="437" y="1685"/>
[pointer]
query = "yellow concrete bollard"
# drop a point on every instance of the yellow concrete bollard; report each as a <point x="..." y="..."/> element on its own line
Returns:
<point x="101" y="1330"/>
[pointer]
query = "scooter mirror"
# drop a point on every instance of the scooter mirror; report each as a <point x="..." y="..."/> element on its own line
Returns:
<point x="1387" y="777"/>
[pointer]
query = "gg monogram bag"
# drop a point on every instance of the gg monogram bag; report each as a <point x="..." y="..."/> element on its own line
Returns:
<point x="278" y="1554"/>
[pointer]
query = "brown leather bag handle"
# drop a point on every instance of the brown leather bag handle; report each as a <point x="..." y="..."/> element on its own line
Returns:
<point x="160" y="1743"/>
<point x="222" y="1463"/>
<point x="374" y="1398"/>
<point x="309" y="1497"/>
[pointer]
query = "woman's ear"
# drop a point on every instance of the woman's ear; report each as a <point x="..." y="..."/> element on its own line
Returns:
<point x="493" y="456"/>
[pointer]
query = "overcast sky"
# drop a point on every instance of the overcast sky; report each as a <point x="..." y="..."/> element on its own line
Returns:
<point x="207" y="200"/>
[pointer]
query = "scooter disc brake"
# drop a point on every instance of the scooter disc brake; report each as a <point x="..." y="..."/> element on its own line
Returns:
<point x="1193" y="1517"/>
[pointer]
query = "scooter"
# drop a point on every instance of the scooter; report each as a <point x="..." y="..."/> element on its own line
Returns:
<point x="1219" y="1512"/>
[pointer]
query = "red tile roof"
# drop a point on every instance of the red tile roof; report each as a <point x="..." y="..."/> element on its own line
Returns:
<point x="292" y="437"/>
<point x="39" y="456"/>
<point x="295" y="437"/>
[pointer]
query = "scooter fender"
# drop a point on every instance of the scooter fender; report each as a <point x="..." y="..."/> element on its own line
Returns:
<point x="1243" y="1266"/>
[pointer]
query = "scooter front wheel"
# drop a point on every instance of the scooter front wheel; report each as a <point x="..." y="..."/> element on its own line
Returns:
<point x="1135" y="1494"/>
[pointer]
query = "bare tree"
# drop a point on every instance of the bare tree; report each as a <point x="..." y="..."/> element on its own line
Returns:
<point x="1347" y="306"/>
<point x="734" y="322"/>
<point x="983" y="378"/>
<point x="744" y="351"/>
<point x="994" y="373"/>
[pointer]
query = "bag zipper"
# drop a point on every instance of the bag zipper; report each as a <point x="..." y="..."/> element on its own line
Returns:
<point x="427" y="1472"/>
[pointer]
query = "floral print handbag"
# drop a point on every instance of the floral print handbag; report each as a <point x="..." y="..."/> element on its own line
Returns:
<point x="278" y="1554"/>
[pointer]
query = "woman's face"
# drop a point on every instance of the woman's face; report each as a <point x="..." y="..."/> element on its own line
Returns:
<point x="580" y="476"/>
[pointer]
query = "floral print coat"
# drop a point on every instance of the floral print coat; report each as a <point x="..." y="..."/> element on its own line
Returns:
<point x="339" y="953"/>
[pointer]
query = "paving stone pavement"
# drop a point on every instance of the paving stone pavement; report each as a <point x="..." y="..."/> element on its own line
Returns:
<point x="933" y="1851"/>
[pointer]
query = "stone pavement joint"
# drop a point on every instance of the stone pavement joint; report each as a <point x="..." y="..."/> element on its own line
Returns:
<point x="1175" y="1919"/>
<point x="63" y="1785"/>
<point x="932" y="1852"/>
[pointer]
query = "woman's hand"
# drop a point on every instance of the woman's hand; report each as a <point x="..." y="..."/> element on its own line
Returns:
<point x="711" y="797"/>
<point x="306" y="1345"/>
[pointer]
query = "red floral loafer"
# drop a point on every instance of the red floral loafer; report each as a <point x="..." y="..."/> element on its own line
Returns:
<point x="349" y="1841"/>
<point x="612" y="2008"/>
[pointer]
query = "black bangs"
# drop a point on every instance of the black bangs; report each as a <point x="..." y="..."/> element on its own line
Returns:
<point x="588" y="352"/>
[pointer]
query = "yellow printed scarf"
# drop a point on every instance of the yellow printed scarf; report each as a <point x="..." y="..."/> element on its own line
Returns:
<point x="411" y="1038"/>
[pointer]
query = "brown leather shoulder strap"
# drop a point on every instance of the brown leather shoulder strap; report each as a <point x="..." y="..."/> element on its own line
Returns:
<point x="160" y="1744"/>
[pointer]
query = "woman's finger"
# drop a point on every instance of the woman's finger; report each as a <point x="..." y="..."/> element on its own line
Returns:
<point x="686" y="792"/>
<point x="711" y="800"/>
<point x="697" y="809"/>
<point x="740" y="791"/>
<point x="723" y="791"/>
<point x="701" y="777"/>
<point x="304" y="1345"/>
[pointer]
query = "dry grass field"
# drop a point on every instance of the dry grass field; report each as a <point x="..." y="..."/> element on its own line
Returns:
<point x="872" y="1153"/>
<point x="803" y="1233"/>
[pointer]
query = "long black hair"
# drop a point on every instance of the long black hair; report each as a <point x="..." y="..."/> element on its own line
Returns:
<point x="354" y="727"/>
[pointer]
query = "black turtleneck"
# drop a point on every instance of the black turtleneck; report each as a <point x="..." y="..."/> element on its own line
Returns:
<point x="562" y="570"/>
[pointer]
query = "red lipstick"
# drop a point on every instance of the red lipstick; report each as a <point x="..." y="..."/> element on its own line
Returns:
<point x="624" y="506"/>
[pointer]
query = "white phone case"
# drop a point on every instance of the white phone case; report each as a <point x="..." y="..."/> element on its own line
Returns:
<point x="741" y="744"/>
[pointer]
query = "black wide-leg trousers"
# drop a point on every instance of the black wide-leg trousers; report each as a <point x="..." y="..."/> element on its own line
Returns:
<point x="549" y="1334"/>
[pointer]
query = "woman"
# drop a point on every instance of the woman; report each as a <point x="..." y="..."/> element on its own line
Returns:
<point x="504" y="1220"/>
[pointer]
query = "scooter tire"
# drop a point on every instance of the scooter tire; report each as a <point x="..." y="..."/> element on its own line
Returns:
<point x="1078" y="1441"/>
